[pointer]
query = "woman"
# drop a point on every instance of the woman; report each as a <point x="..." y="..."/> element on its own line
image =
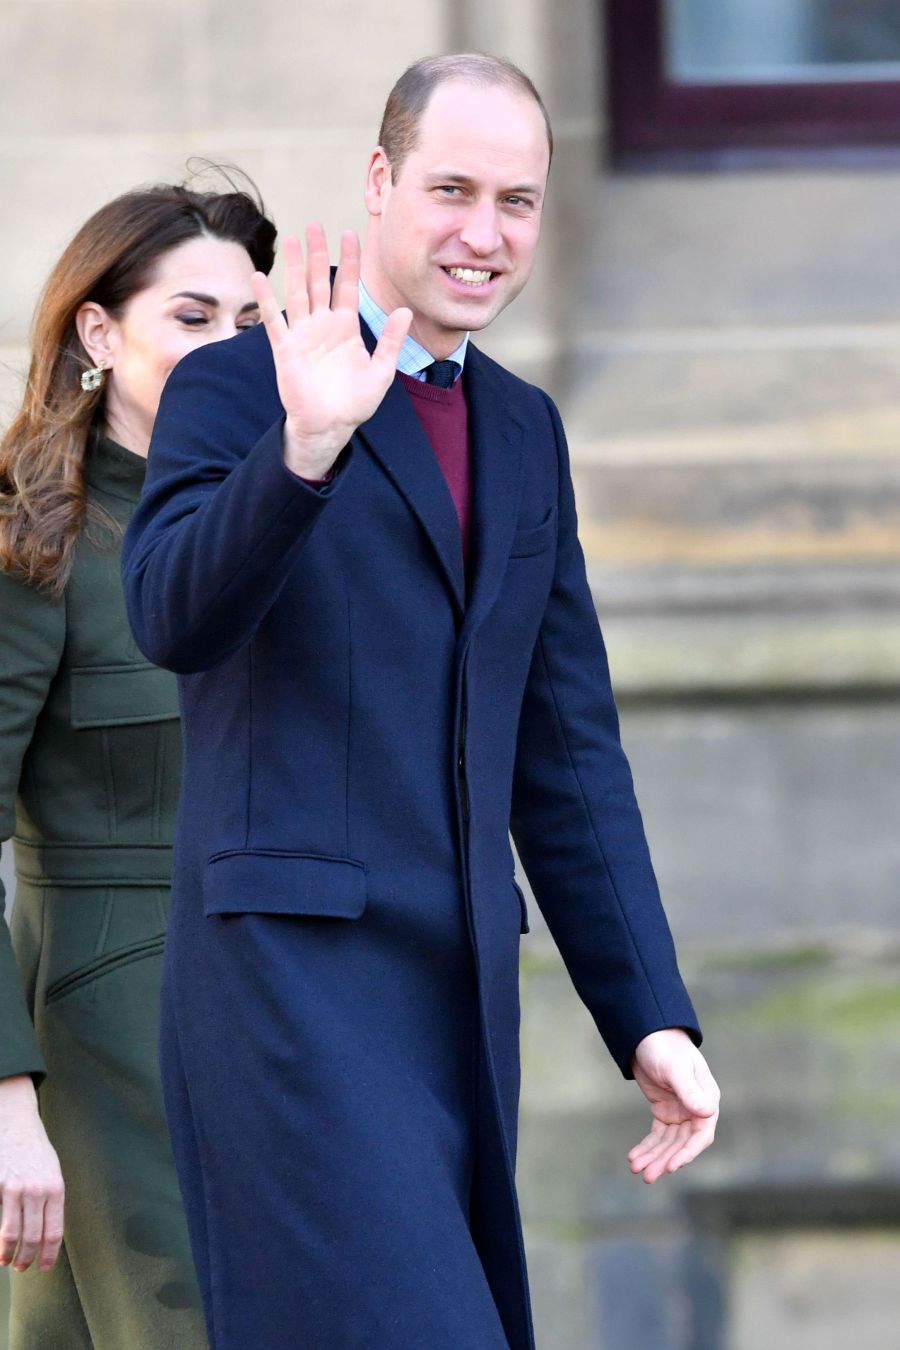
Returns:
<point x="89" y="770"/>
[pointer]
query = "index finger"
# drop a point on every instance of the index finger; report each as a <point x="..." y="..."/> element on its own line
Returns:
<point x="699" y="1140"/>
<point x="269" y="312"/>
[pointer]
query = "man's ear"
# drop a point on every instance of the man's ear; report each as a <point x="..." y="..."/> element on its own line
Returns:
<point x="96" y="331"/>
<point x="378" y="181"/>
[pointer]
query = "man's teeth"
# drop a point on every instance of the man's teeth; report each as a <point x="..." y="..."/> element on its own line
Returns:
<point x="469" y="276"/>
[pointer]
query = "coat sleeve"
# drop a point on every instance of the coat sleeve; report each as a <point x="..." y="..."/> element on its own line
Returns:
<point x="221" y="521"/>
<point x="576" y="822"/>
<point x="33" y="629"/>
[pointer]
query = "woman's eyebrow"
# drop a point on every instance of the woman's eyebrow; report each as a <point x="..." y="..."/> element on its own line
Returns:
<point x="195" y="295"/>
<point x="210" y="300"/>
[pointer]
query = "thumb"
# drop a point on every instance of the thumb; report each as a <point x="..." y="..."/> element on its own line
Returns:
<point x="698" y="1102"/>
<point x="393" y="335"/>
<point x="698" y="1097"/>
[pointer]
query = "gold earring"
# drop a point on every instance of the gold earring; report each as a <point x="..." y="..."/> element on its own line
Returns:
<point x="93" y="378"/>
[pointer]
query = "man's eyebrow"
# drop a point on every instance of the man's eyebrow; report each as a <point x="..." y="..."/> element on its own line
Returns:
<point x="210" y="300"/>
<point x="531" y="189"/>
<point x="449" y="177"/>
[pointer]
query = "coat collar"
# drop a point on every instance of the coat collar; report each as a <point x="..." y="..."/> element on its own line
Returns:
<point x="395" y="436"/>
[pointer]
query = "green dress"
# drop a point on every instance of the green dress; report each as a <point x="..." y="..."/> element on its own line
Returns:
<point x="89" y="774"/>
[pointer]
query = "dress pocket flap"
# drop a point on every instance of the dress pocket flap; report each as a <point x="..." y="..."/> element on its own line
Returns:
<point x="112" y="696"/>
<point x="268" y="881"/>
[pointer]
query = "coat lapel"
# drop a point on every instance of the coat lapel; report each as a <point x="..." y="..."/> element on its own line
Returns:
<point x="495" y="435"/>
<point x="395" y="436"/>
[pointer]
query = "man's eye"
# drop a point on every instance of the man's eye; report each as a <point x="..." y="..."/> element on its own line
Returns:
<point x="449" y="189"/>
<point x="518" y="201"/>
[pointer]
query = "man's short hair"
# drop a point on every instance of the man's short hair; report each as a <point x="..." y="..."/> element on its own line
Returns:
<point x="410" y="96"/>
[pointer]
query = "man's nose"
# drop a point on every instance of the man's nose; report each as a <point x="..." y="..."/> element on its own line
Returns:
<point x="481" y="231"/>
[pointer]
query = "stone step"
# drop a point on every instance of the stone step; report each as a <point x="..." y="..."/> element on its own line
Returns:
<point x="730" y="511"/>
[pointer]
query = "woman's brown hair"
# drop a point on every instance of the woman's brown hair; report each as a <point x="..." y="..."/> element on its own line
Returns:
<point x="43" y="504"/>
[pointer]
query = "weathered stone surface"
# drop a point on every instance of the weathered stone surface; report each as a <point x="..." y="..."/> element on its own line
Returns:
<point x="97" y="67"/>
<point x="757" y="394"/>
<point x="771" y="820"/>
<point x="815" y="1291"/>
<point x="316" y="70"/>
<point x="733" y="510"/>
<point x="564" y="1318"/>
<point x="720" y="249"/>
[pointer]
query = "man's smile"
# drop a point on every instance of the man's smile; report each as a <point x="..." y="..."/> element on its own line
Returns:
<point x="471" y="278"/>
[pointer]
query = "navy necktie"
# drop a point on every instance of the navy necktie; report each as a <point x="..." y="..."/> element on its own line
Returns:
<point x="441" y="373"/>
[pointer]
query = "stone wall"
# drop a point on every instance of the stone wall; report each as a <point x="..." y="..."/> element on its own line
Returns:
<point x="731" y="405"/>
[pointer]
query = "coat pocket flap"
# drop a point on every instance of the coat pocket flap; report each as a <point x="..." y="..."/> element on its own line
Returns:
<point x="110" y="696"/>
<point x="526" y="543"/>
<point x="256" y="881"/>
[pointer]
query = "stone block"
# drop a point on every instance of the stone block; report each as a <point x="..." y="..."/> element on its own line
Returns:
<point x="273" y="65"/>
<point x="563" y="1316"/>
<point x="732" y="657"/>
<point x="755" y="398"/>
<point x="672" y="251"/>
<point x="636" y="1285"/>
<point x="733" y="511"/>
<point x="97" y="67"/>
<point x="815" y="1290"/>
<point x="771" y="821"/>
<point x="314" y="179"/>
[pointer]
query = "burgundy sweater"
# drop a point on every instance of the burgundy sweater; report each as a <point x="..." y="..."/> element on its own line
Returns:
<point x="445" y="421"/>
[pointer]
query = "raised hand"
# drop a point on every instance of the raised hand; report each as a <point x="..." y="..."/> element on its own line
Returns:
<point x="327" y="381"/>
<point x="675" y="1079"/>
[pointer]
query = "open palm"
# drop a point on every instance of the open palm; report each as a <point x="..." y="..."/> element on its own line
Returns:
<point x="328" y="382"/>
<point x="684" y="1100"/>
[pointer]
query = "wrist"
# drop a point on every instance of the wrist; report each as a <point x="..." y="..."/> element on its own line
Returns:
<point x="18" y="1093"/>
<point x="310" y="457"/>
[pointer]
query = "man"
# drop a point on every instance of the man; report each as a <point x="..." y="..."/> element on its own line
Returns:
<point x="372" y="588"/>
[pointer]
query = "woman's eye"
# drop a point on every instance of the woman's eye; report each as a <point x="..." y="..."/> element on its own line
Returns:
<point x="192" y="320"/>
<point x="250" y="322"/>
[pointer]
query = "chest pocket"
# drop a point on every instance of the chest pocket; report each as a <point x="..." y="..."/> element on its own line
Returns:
<point x="109" y="696"/>
<point x="535" y="538"/>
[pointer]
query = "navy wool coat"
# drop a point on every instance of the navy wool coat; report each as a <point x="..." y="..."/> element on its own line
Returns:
<point x="362" y="728"/>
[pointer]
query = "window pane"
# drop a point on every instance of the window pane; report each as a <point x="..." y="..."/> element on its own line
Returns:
<point x="782" y="41"/>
